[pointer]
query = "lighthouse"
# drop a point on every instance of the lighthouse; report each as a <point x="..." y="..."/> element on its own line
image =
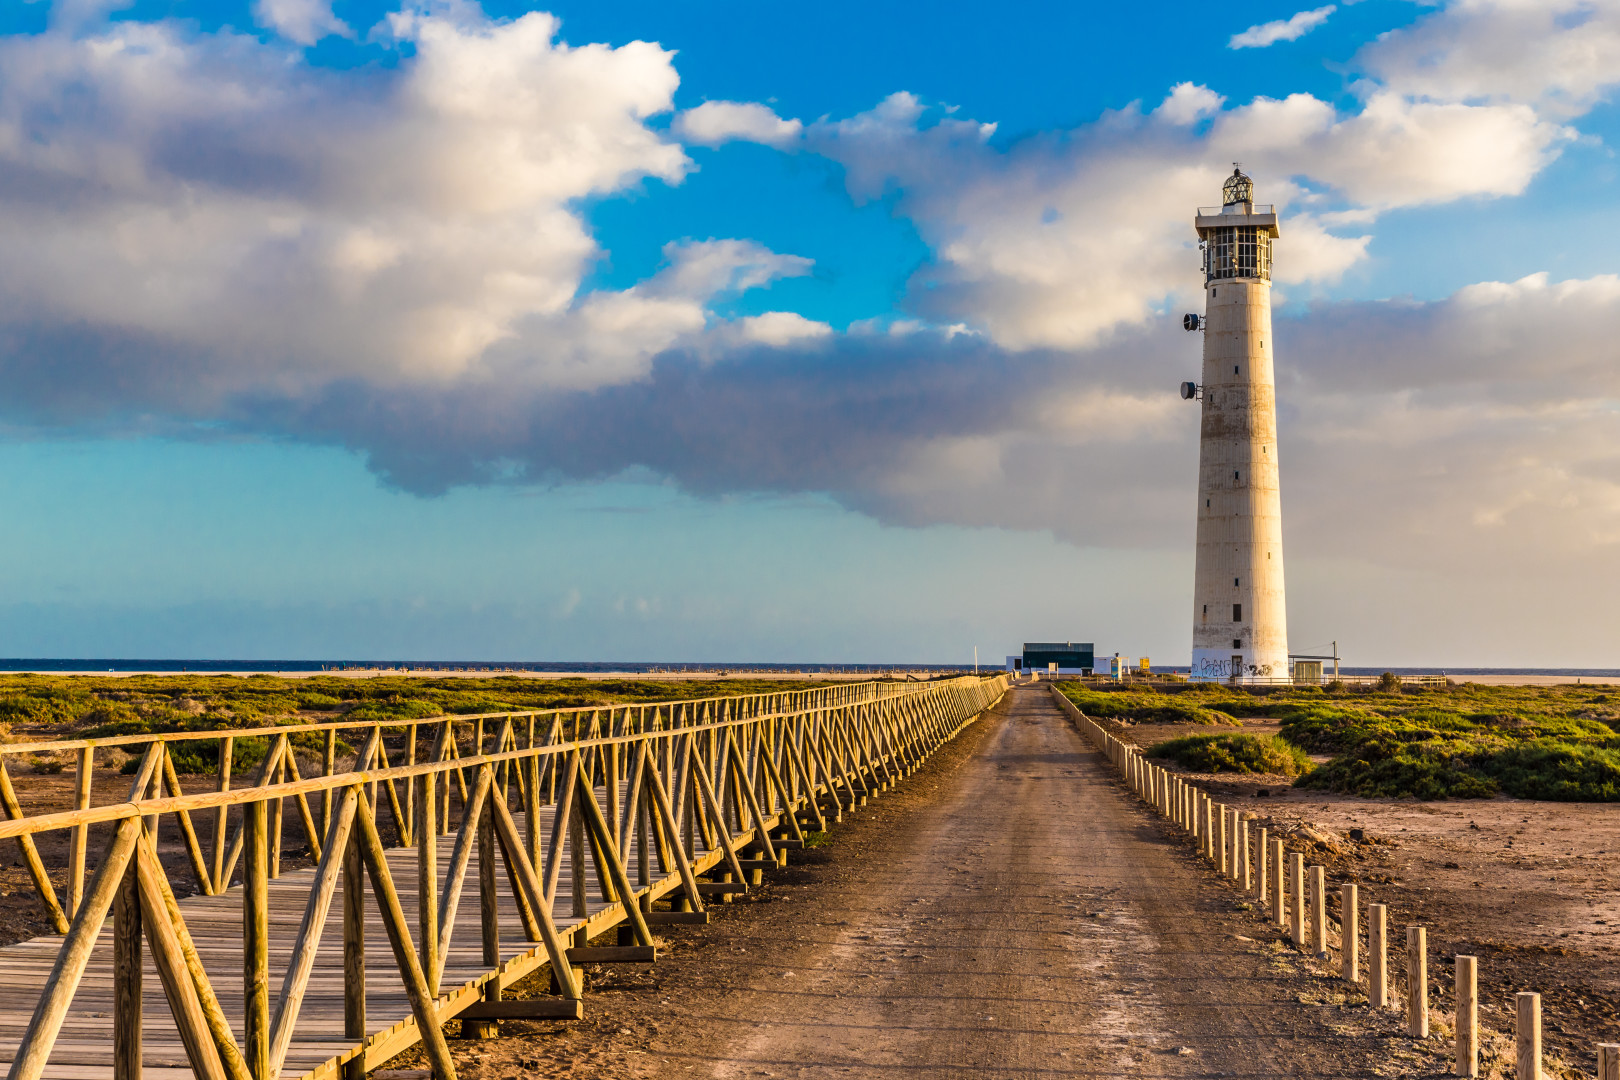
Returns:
<point x="1240" y="622"/>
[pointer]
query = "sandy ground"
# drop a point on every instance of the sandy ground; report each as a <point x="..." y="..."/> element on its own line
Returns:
<point x="1531" y="888"/>
<point x="1537" y="680"/>
<point x="1010" y="911"/>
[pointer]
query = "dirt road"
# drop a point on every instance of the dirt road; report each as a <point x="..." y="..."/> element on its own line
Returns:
<point x="1040" y="925"/>
<point x="1010" y="913"/>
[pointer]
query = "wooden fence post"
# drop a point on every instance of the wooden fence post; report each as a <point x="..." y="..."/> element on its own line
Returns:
<point x="221" y="842"/>
<point x="1296" y="898"/>
<point x="1527" y="1030"/>
<point x="1245" y="878"/>
<point x="1262" y="859"/>
<point x="80" y="837"/>
<point x="1608" y="1061"/>
<point x="1349" y="933"/>
<point x="1417" y="982"/>
<point x="1319" y="944"/>
<point x="354" y="955"/>
<point x="1279" y="886"/>
<point x="1467" y="1016"/>
<point x="256" y="938"/>
<point x="127" y="978"/>
<point x="1378" y="956"/>
<point x="489" y="925"/>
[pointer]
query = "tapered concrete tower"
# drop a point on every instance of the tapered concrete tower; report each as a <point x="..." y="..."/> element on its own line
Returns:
<point x="1240" y="624"/>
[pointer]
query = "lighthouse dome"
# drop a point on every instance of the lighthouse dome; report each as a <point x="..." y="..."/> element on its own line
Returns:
<point x="1238" y="188"/>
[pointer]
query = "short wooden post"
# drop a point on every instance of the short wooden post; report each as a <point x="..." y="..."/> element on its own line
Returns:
<point x="1262" y="860"/>
<point x="354" y="955"/>
<point x="1210" y="835"/>
<point x="256" y="938"/>
<point x="1296" y="898"/>
<point x="1319" y="912"/>
<point x="1228" y="842"/>
<point x="127" y="978"/>
<point x="1234" y="829"/>
<point x="1378" y="956"/>
<point x="1468" y="1016"/>
<point x="1528" y="1035"/>
<point x="1417" y="982"/>
<point x="1279" y="886"/>
<point x="1223" y="854"/>
<point x="1349" y="933"/>
<point x="1608" y="1061"/>
<point x="1245" y="878"/>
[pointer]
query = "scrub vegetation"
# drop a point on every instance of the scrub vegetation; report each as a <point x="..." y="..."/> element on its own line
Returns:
<point x="1462" y="741"/>
<point x="39" y="707"/>
<point x="1234" y="753"/>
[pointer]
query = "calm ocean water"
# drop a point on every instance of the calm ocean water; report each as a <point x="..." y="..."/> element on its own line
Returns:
<point x="642" y="667"/>
<point x="492" y="666"/>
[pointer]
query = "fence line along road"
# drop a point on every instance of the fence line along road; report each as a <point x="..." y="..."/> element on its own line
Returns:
<point x="653" y="797"/>
<point x="1223" y="836"/>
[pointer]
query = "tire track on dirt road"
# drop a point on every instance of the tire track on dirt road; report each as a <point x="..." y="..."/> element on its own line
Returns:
<point x="1040" y="924"/>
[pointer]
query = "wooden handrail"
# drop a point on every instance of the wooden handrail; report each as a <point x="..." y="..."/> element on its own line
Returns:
<point x="725" y="773"/>
<point x="393" y="724"/>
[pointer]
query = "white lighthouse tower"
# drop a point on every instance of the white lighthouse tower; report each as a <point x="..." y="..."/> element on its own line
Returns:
<point x="1240" y="624"/>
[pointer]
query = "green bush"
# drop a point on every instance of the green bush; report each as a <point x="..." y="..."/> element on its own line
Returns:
<point x="1234" y="753"/>
<point x="1140" y="707"/>
<point x="30" y="709"/>
<point x="1391" y="740"/>
<point x="1390" y="768"/>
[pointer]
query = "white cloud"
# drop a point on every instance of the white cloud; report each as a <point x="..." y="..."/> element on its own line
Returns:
<point x="1188" y="103"/>
<point x="1289" y="29"/>
<point x="612" y="337"/>
<point x="1062" y="240"/>
<point x="717" y="122"/>
<point x="299" y="225"/>
<point x="1316" y="255"/>
<point x="302" y="21"/>
<point x="1561" y="56"/>
<point x="782" y="328"/>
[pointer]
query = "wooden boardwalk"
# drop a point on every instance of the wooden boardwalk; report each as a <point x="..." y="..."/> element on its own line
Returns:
<point x="84" y="1050"/>
<point x="252" y="982"/>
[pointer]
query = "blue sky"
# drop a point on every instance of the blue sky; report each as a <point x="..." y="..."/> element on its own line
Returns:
<point x="835" y="334"/>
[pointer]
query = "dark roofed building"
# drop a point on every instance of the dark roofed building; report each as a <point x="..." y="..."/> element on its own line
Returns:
<point x="1071" y="657"/>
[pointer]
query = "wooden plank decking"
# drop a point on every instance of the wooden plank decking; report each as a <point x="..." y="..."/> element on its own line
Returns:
<point x="84" y="1049"/>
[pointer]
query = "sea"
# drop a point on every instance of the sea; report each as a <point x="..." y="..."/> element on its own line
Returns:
<point x="637" y="667"/>
<point x="496" y="667"/>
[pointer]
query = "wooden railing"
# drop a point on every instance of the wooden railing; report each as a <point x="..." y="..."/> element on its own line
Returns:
<point x="663" y="793"/>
